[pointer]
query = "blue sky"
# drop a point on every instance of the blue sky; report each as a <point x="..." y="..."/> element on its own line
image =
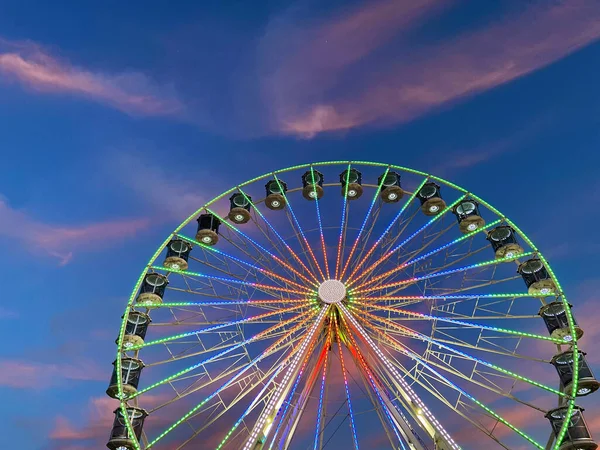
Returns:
<point x="118" y="120"/>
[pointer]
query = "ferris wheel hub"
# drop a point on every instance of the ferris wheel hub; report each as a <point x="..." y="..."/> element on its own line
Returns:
<point x="332" y="291"/>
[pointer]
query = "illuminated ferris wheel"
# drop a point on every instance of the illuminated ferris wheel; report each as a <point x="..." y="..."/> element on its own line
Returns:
<point x="353" y="305"/>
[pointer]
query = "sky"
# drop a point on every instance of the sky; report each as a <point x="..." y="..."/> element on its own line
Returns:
<point x="119" y="119"/>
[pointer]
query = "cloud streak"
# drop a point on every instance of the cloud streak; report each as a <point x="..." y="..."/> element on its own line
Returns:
<point x="172" y="194"/>
<point x="33" y="375"/>
<point x="482" y="153"/>
<point x="61" y="241"/>
<point x="100" y="416"/>
<point x="316" y="57"/>
<point x="131" y="92"/>
<point x="391" y="92"/>
<point x="98" y="419"/>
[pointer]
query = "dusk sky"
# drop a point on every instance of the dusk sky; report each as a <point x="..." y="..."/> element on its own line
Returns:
<point x="120" y="119"/>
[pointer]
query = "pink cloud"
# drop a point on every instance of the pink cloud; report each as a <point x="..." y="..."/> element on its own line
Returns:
<point x="63" y="241"/>
<point x="393" y="92"/>
<point x="585" y="310"/>
<point x="592" y="417"/>
<point x="316" y="56"/>
<point x="173" y="197"/>
<point x="32" y="375"/>
<point x="347" y="39"/>
<point x="8" y="314"/>
<point x="130" y="92"/>
<point x="518" y="415"/>
<point x="94" y="425"/>
<point x="480" y="154"/>
<point x="100" y="416"/>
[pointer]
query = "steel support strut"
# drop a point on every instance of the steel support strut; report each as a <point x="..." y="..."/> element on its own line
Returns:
<point x="260" y="431"/>
<point x="415" y="406"/>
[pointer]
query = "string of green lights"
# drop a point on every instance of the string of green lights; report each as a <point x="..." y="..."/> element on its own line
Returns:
<point x="356" y="292"/>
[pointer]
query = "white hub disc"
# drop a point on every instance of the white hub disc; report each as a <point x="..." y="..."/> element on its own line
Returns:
<point x="332" y="291"/>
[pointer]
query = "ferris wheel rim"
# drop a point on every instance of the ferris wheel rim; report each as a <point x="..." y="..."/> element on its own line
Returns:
<point x="560" y="292"/>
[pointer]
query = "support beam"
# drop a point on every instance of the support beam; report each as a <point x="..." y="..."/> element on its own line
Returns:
<point x="260" y="431"/>
<point x="416" y="407"/>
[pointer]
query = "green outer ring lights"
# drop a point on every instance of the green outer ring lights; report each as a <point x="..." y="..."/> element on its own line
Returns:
<point x="120" y="349"/>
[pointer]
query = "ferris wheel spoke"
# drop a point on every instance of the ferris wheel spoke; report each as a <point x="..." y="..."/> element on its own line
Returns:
<point x="237" y="240"/>
<point x="239" y="341"/>
<point x="448" y="368"/>
<point x="413" y="260"/>
<point x="263" y="249"/>
<point x="466" y="325"/>
<point x="397" y="424"/>
<point x="275" y="347"/>
<point x="239" y="296"/>
<point x="352" y="281"/>
<point x="346" y="388"/>
<point x="364" y="223"/>
<point x="311" y="377"/>
<point x="226" y="263"/>
<point x="246" y="389"/>
<point x="400" y="384"/>
<point x="262" y="260"/>
<point x="255" y="402"/>
<point x="226" y="343"/>
<point x="223" y="374"/>
<point x="264" y="421"/>
<point x="298" y="228"/>
<point x="258" y="318"/>
<point x="410" y="299"/>
<point x="318" y="210"/>
<point x="426" y="364"/>
<point x="457" y="405"/>
<point x="441" y="290"/>
<point x="321" y="407"/>
<point x="228" y="281"/>
<point x="412" y="276"/>
<point x="492" y="262"/>
<point x="365" y="238"/>
<point x="267" y="273"/>
<point x="388" y="240"/>
<point x="378" y="280"/>
<point x="381" y="408"/>
<point x="403" y="267"/>
<point x="254" y="303"/>
<point x="344" y="220"/>
<point x="404" y="207"/>
<point x="367" y="232"/>
<point x="457" y="342"/>
<point x="436" y="343"/>
<point x="274" y="231"/>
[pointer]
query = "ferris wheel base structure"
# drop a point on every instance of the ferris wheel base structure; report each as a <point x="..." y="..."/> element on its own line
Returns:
<point x="388" y="299"/>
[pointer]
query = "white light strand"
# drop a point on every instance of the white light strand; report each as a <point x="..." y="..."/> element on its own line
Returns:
<point x="275" y="400"/>
<point x="400" y="379"/>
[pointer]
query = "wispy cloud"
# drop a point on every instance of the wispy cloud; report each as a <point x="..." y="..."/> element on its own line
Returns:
<point x="8" y="314"/>
<point x="130" y="92"/>
<point x="21" y="374"/>
<point x="481" y="153"/>
<point x="585" y="311"/>
<point x="174" y="192"/>
<point x="62" y="241"/>
<point x="315" y="57"/>
<point x="98" y="418"/>
<point x="393" y="92"/>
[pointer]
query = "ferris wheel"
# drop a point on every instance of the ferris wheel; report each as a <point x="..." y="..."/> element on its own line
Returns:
<point x="348" y="304"/>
